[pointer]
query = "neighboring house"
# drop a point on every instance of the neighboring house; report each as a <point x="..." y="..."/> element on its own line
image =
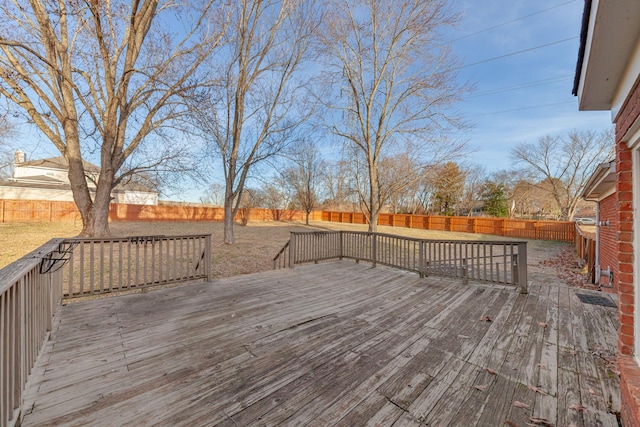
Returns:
<point x="47" y="179"/>
<point x="607" y="78"/>
<point x="601" y="188"/>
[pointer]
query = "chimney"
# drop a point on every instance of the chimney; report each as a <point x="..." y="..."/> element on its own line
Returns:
<point x="18" y="157"/>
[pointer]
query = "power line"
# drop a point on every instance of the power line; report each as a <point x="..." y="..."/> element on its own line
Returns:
<point x="521" y="86"/>
<point x="521" y="109"/>
<point x="512" y="21"/>
<point x="515" y="53"/>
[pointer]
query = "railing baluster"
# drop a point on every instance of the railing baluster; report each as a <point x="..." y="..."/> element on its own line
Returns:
<point x="505" y="262"/>
<point x="110" y="266"/>
<point x="69" y="266"/>
<point x="120" y="267"/>
<point x="91" y="267"/>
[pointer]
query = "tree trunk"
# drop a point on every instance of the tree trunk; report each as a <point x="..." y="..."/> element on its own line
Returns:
<point x="98" y="222"/>
<point x="374" y="195"/>
<point x="373" y="221"/>
<point x="94" y="214"/>
<point x="228" y="221"/>
<point x="307" y="218"/>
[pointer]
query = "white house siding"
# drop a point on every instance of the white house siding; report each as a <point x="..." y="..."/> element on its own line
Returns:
<point x="29" y="171"/>
<point x="136" y="198"/>
<point x="26" y="193"/>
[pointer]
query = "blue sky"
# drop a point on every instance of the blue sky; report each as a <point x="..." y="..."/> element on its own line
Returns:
<point x="518" y="98"/>
<point x="500" y="108"/>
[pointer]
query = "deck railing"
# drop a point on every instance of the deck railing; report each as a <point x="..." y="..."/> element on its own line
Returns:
<point x="501" y="262"/>
<point x="99" y="266"/>
<point x="29" y="297"/>
<point x="32" y="288"/>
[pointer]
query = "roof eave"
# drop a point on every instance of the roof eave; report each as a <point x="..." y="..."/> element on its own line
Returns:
<point x="600" y="67"/>
<point x="602" y="181"/>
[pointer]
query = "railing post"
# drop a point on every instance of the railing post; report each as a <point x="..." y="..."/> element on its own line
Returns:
<point x="22" y="332"/>
<point x="292" y="250"/>
<point x="465" y="272"/>
<point x="341" y="244"/>
<point x="374" y="248"/>
<point x="207" y="257"/>
<point x="522" y="267"/>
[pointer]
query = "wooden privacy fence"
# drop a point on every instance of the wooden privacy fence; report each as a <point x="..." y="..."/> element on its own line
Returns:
<point x="586" y="248"/>
<point x="488" y="261"/>
<point x="523" y="229"/>
<point x="50" y="211"/>
<point x="56" y="211"/>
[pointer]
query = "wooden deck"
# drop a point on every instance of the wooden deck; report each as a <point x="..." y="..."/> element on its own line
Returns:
<point x="336" y="343"/>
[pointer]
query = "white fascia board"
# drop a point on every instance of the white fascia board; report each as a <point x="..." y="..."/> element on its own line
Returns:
<point x="610" y="49"/>
<point x="628" y="81"/>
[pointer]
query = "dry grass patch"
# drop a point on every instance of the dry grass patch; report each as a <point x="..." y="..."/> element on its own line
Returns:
<point x="256" y="244"/>
<point x="18" y="239"/>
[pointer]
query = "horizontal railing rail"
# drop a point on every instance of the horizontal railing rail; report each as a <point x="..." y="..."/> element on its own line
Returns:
<point x="281" y="260"/>
<point x="99" y="266"/>
<point x="501" y="262"/>
<point x="30" y="292"/>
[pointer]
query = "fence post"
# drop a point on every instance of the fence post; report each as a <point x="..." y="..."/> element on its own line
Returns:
<point x="292" y="250"/>
<point x="521" y="265"/>
<point x="374" y="249"/>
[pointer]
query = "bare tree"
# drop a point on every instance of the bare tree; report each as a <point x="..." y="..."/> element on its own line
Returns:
<point x="303" y="176"/>
<point x="6" y="155"/>
<point x="277" y="195"/>
<point x="474" y="181"/>
<point x="561" y="165"/>
<point x="102" y="77"/>
<point x="394" y="81"/>
<point x="336" y="183"/>
<point x="449" y="181"/>
<point x="214" y="194"/>
<point x="256" y="108"/>
<point x="395" y="175"/>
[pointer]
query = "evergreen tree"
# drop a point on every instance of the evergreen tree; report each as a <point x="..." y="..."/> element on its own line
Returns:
<point x="495" y="200"/>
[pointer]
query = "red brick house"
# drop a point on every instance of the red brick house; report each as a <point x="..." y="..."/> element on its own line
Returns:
<point x="607" y="78"/>
<point x="601" y="188"/>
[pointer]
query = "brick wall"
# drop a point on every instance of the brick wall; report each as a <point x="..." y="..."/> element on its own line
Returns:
<point x="629" y="370"/>
<point x="608" y="241"/>
<point x="624" y="187"/>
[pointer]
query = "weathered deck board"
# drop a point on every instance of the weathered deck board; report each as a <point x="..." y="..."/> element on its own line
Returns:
<point x="337" y="343"/>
